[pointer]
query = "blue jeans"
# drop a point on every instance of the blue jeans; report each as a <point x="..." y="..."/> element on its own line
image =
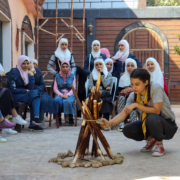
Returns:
<point x="35" y="109"/>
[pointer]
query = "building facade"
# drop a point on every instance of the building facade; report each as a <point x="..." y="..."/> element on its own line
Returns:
<point x="151" y="32"/>
<point x="17" y="23"/>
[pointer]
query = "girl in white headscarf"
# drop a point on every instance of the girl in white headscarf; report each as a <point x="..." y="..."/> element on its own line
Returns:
<point x="125" y="89"/>
<point x="100" y="67"/>
<point x="156" y="74"/>
<point x="120" y="57"/>
<point x="95" y="53"/>
<point x="62" y="53"/>
<point x="109" y="64"/>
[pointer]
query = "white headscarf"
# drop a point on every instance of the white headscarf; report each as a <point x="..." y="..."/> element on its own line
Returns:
<point x="122" y="56"/>
<point x="156" y="75"/>
<point x="96" y="54"/>
<point x="34" y="61"/>
<point x="125" y="78"/>
<point x="63" y="55"/>
<point x="109" y="60"/>
<point x="95" y="73"/>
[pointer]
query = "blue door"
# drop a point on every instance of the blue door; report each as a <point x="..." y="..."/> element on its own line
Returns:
<point x="0" y="42"/>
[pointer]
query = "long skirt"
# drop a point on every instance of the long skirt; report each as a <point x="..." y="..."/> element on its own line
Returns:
<point x="48" y="104"/>
<point x="120" y="106"/>
<point x="7" y="102"/>
<point x="66" y="105"/>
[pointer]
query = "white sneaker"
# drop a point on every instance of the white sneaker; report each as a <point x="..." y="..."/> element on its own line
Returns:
<point x="19" y="120"/>
<point x="121" y="127"/>
<point x="2" y="140"/>
<point x="43" y="126"/>
<point x="9" y="131"/>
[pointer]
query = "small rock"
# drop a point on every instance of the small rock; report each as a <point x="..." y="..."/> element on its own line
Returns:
<point x="100" y="164"/>
<point x="60" y="160"/>
<point x="72" y="166"/>
<point x="87" y="165"/>
<point x="78" y="165"/>
<point x="95" y="165"/>
<point x="55" y="160"/>
<point x="111" y="162"/>
<point x="119" y="160"/>
<point x="59" y="163"/>
<point x="65" y="164"/>
<point x="104" y="162"/>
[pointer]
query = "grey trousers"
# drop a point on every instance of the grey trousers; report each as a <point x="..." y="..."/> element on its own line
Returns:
<point x="156" y="126"/>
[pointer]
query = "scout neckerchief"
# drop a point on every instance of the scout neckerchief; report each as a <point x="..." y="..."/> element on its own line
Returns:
<point x="144" y="115"/>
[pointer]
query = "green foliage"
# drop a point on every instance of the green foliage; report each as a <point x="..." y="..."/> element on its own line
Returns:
<point x="163" y="2"/>
<point x="176" y="48"/>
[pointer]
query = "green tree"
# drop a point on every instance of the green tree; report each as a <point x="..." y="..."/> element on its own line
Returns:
<point x="163" y="2"/>
<point x="176" y="48"/>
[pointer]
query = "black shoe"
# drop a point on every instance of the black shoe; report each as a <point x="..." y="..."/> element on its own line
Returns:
<point x="35" y="128"/>
<point x="60" y="122"/>
<point x="71" y="121"/>
<point x="37" y="122"/>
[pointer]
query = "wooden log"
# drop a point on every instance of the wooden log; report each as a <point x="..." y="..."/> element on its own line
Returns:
<point x="95" y="109"/>
<point x="98" y="83"/>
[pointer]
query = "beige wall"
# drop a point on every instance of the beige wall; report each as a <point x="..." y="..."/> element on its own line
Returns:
<point x="18" y="12"/>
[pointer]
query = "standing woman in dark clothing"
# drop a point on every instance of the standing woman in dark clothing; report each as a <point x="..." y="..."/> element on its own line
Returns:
<point x="62" y="53"/>
<point x="95" y="53"/>
<point x="21" y="82"/>
<point x="120" y="57"/>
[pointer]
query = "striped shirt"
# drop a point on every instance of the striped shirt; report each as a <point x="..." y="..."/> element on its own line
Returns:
<point x="53" y="60"/>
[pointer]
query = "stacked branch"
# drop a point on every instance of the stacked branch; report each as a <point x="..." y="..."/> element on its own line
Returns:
<point x="90" y="110"/>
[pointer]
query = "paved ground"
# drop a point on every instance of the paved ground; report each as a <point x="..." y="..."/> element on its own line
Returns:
<point x="25" y="157"/>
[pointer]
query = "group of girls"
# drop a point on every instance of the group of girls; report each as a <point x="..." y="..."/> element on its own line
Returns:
<point x="139" y="91"/>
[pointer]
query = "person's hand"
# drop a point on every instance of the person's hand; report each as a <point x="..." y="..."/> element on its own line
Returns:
<point x="108" y="88"/>
<point x="114" y="61"/>
<point x="27" y="90"/>
<point x="65" y="96"/>
<point x="123" y="91"/>
<point x="30" y="73"/>
<point x="130" y="108"/>
<point x="129" y="89"/>
<point x="106" y="123"/>
<point x="45" y="73"/>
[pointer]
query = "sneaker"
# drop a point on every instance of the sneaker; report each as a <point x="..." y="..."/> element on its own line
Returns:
<point x="46" y="119"/>
<point x="6" y="124"/>
<point x="9" y="131"/>
<point x="43" y="126"/>
<point x="19" y="120"/>
<point x="149" y="145"/>
<point x="37" y="122"/>
<point x="121" y="127"/>
<point x="158" y="151"/>
<point x="35" y="129"/>
<point x="2" y="140"/>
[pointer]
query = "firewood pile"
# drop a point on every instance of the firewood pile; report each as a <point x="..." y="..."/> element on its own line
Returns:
<point x="90" y="126"/>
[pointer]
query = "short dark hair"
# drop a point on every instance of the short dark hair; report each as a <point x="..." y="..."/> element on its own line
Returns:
<point x="143" y="75"/>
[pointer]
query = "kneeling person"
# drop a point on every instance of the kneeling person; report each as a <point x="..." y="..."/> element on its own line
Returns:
<point x="157" y="118"/>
